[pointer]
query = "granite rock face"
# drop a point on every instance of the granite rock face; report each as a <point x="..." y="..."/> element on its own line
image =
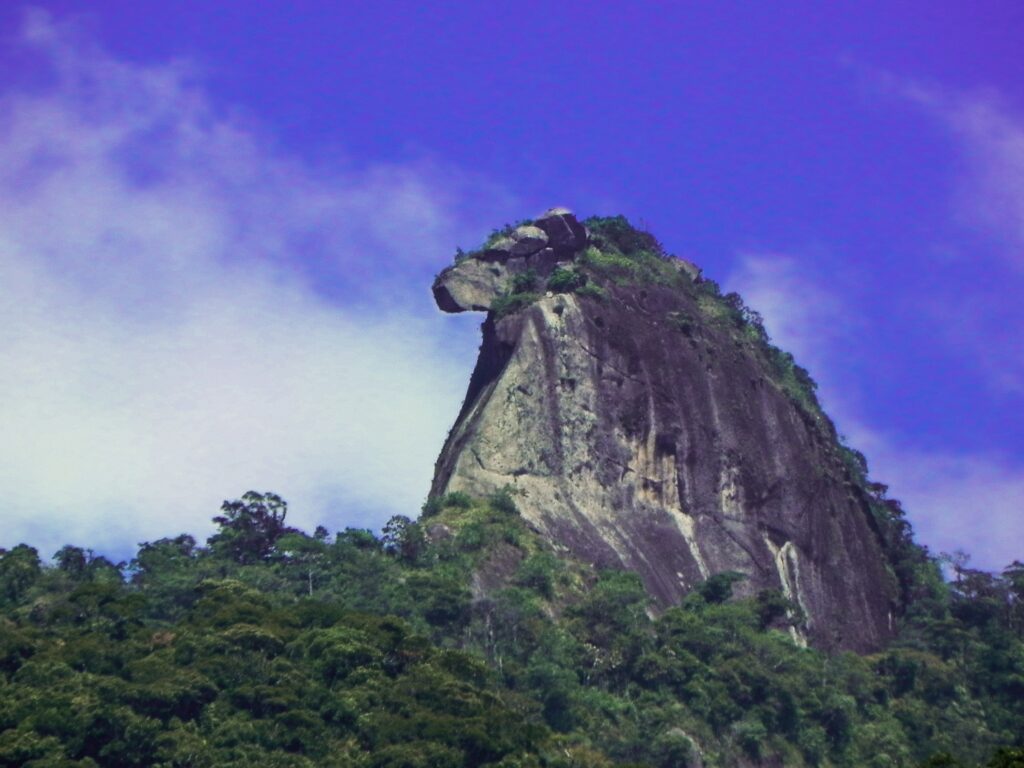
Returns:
<point x="635" y="442"/>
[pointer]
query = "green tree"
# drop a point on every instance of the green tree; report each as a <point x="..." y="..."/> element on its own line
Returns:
<point x="718" y="588"/>
<point x="1008" y="758"/>
<point x="20" y="569"/>
<point x="402" y="538"/>
<point x="1013" y="575"/>
<point x="250" y="527"/>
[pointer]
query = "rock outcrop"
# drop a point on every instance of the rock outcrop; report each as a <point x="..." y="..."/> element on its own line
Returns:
<point x="643" y="427"/>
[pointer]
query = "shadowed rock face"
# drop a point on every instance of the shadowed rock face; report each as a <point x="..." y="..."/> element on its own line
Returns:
<point x="672" y="453"/>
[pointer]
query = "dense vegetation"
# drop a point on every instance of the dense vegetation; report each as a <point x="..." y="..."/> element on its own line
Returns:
<point x="462" y="640"/>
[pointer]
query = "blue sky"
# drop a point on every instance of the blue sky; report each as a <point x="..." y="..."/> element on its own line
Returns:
<point x="218" y="226"/>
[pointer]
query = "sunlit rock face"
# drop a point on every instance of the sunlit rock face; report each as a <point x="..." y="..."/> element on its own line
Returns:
<point x="633" y="444"/>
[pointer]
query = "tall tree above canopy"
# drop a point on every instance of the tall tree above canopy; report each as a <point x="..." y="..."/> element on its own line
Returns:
<point x="250" y="527"/>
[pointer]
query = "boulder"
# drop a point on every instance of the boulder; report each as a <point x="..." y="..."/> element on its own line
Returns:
<point x="544" y="261"/>
<point x="499" y="250"/>
<point x="690" y="269"/>
<point x="470" y="285"/>
<point x="563" y="231"/>
<point x="473" y="284"/>
<point x="528" y="239"/>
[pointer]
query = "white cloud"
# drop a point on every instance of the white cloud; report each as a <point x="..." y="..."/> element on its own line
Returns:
<point x="989" y="197"/>
<point x="986" y="200"/>
<point x="801" y="317"/>
<point x="188" y="312"/>
<point x="990" y="188"/>
<point x="954" y="500"/>
<point x="988" y="159"/>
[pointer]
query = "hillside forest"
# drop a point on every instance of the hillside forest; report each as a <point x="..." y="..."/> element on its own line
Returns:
<point x="464" y="639"/>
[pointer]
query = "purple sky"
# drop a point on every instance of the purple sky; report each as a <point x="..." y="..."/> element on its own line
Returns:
<point x="218" y="228"/>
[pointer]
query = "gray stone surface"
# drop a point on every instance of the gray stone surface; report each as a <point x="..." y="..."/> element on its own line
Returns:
<point x="473" y="284"/>
<point x="564" y="232"/>
<point x="544" y="261"/>
<point x="634" y="445"/>
<point x="499" y="250"/>
<point x="528" y="240"/>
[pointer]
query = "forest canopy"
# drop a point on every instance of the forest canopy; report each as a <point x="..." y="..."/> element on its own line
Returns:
<point x="462" y="639"/>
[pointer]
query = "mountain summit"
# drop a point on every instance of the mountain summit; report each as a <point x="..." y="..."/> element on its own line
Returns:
<point x="645" y="422"/>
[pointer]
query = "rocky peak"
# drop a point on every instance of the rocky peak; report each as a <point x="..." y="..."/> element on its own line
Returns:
<point x="645" y="422"/>
<point x="535" y="249"/>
